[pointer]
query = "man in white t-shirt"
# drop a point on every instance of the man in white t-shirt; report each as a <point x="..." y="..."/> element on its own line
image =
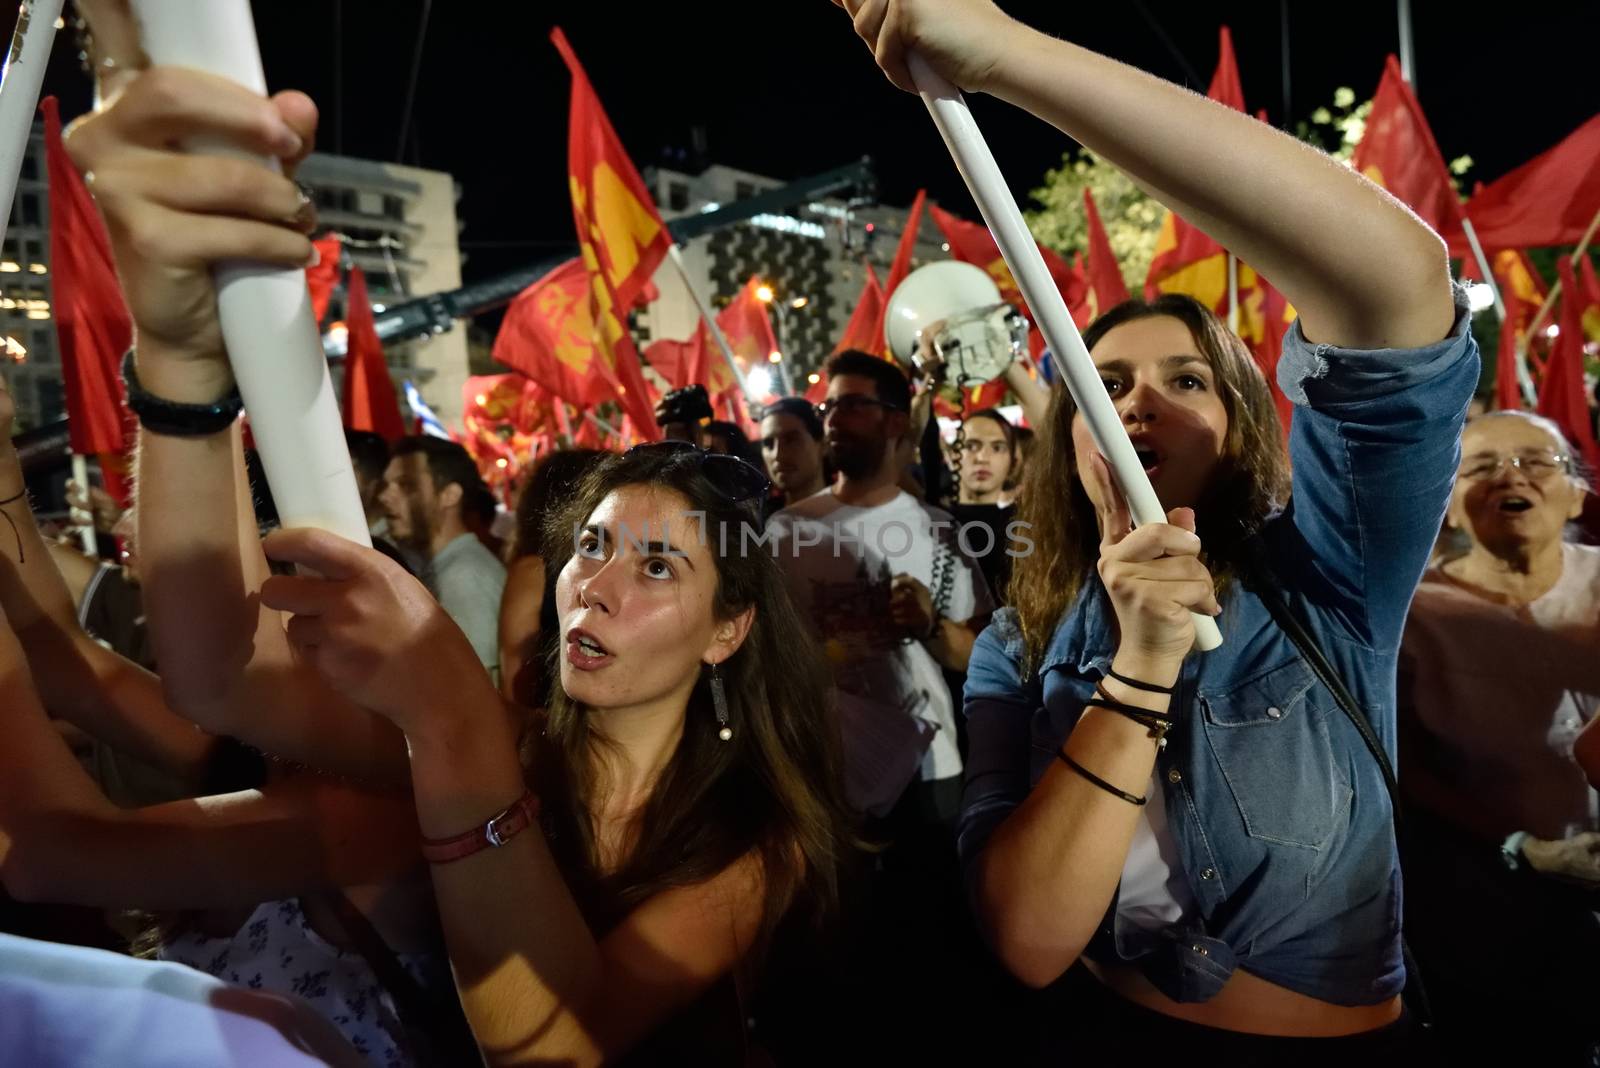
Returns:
<point x="890" y="592"/>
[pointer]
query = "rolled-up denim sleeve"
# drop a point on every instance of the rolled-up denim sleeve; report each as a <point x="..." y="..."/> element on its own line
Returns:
<point x="1375" y="443"/>
<point x="999" y="710"/>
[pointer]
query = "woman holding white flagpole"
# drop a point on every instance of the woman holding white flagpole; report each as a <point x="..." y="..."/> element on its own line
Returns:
<point x="1195" y="852"/>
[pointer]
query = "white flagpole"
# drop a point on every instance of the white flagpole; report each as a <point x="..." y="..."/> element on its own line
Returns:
<point x="267" y="324"/>
<point x="86" y="532"/>
<point x="675" y="254"/>
<point x="988" y="187"/>
<point x="19" y="92"/>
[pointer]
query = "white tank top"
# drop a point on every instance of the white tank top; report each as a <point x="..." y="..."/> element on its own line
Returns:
<point x="1155" y="892"/>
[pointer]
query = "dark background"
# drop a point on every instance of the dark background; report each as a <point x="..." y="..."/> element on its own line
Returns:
<point x="785" y="89"/>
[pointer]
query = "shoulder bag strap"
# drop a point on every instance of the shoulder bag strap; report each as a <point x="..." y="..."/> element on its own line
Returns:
<point x="1265" y="586"/>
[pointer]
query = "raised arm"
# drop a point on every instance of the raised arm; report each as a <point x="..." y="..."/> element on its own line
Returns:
<point x="1362" y="269"/>
<point x="1043" y="864"/>
<point x="520" y="605"/>
<point x="170" y="215"/>
<point x="79" y="680"/>
<point x="62" y="841"/>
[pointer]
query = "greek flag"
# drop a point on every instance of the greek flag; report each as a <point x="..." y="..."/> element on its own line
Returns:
<point x="427" y="422"/>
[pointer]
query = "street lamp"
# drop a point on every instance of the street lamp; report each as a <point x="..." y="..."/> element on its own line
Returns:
<point x="764" y="294"/>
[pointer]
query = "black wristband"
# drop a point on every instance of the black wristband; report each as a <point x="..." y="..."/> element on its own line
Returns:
<point x="1147" y="687"/>
<point x="1132" y="799"/>
<point x="161" y="416"/>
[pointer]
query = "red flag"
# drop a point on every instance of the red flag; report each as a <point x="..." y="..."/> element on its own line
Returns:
<point x="677" y="361"/>
<point x="1589" y="296"/>
<point x="548" y="334"/>
<point x="1563" y="396"/>
<point x="866" y="318"/>
<point x="1186" y="259"/>
<point x="1105" y="277"/>
<point x="369" y="401"/>
<point x="1522" y="292"/>
<point x="748" y="328"/>
<point x="817" y="391"/>
<point x="1550" y="200"/>
<point x="972" y="243"/>
<point x="1226" y="88"/>
<point x="1399" y="153"/>
<point x="897" y="272"/>
<point x="93" y="328"/>
<point x="621" y="235"/>
<point x="1265" y="316"/>
<point x="324" y="275"/>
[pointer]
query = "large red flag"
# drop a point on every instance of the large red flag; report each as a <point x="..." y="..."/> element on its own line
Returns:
<point x="898" y="271"/>
<point x="92" y="323"/>
<point x="369" y="401"/>
<point x="1186" y="259"/>
<point x="1107" y="289"/>
<point x="1563" y="396"/>
<point x="622" y="237"/>
<point x="866" y="317"/>
<point x="323" y="275"/>
<point x="1399" y="153"/>
<point x="1550" y="200"/>
<point x="972" y="243"/>
<point x="548" y="334"/>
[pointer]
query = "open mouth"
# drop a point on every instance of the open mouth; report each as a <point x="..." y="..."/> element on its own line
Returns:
<point x="584" y="651"/>
<point x="1149" y="456"/>
<point x="1514" y="505"/>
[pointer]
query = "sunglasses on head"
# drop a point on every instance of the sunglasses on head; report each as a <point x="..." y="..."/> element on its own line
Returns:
<point x="735" y="479"/>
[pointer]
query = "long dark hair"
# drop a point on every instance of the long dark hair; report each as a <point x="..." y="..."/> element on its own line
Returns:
<point x="775" y="788"/>
<point x="1250" y="483"/>
<point x="553" y="481"/>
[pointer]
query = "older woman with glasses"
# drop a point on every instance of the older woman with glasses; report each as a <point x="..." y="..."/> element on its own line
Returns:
<point x="1499" y="673"/>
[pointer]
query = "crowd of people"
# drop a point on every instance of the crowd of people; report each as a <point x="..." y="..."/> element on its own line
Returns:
<point x="850" y="743"/>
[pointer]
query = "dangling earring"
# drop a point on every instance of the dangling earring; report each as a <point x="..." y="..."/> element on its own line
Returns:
<point x="719" y="701"/>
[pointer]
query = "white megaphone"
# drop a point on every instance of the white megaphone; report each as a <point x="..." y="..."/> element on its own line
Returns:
<point x="976" y="334"/>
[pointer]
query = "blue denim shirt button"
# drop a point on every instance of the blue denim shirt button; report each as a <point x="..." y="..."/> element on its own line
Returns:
<point x="1174" y="776"/>
<point x="1274" y="713"/>
<point x="1208" y="873"/>
<point x="1202" y="950"/>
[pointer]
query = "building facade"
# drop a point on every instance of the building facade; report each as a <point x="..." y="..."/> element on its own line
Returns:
<point x="400" y="227"/>
<point x="813" y="258"/>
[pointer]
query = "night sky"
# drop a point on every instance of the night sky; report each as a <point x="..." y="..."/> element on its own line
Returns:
<point x="784" y="88"/>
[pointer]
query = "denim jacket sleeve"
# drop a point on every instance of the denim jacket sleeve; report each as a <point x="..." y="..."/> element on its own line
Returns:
<point x="1375" y="444"/>
<point x="1000" y="710"/>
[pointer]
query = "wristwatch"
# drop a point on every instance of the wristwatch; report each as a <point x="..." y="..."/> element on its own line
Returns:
<point x="161" y="416"/>
<point x="1511" y="849"/>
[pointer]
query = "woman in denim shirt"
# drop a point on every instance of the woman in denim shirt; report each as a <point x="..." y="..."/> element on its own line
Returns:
<point x="1257" y="893"/>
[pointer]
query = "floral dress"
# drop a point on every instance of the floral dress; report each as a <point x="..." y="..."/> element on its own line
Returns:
<point x="276" y="950"/>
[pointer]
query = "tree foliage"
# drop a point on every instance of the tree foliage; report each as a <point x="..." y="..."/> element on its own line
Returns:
<point x="1133" y="220"/>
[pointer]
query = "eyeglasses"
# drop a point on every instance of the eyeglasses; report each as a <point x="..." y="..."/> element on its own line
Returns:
<point x="1535" y="465"/>
<point x="854" y="402"/>
<point x="735" y="479"/>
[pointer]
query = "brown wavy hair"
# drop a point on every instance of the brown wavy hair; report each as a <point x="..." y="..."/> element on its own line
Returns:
<point x="776" y="788"/>
<point x="1250" y="482"/>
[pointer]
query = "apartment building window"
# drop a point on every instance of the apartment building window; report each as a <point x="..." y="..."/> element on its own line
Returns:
<point x="677" y="196"/>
